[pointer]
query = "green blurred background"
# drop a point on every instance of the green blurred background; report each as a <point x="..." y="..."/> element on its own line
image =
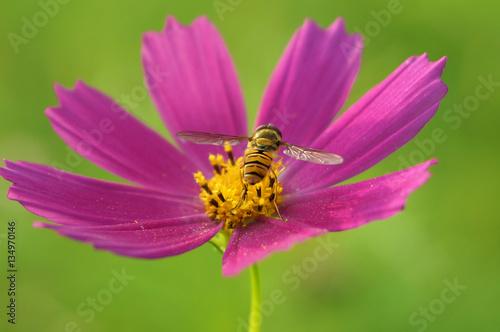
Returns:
<point x="386" y="276"/>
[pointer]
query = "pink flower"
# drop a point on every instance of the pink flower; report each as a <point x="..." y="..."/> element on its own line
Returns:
<point x="193" y="83"/>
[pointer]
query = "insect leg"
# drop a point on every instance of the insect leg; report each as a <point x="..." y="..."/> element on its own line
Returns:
<point x="272" y="198"/>
<point x="243" y="192"/>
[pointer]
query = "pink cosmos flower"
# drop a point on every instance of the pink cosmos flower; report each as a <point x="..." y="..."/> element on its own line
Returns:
<point x="193" y="83"/>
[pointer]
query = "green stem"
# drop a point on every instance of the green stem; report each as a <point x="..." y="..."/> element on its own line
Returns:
<point x="255" y="315"/>
<point x="220" y="241"/>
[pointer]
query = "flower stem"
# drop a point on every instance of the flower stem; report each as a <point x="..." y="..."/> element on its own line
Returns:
<point x="255" y="315"/>
<point x="220" y="241"/>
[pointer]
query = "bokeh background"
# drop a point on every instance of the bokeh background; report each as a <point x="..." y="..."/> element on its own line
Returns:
<point x="386" y="276"/>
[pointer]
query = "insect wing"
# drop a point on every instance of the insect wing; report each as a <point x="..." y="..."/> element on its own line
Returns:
<point x="312" y="155"/>
<point x="208" y="138"/>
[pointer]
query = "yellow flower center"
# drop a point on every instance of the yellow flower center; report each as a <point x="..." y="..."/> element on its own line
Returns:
<point x="232" y="200"/>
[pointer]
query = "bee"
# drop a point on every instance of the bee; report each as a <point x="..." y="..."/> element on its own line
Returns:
<point x="262" y="149"/>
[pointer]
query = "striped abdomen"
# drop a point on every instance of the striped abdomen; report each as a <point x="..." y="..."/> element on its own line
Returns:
<point x="256" y="165"/>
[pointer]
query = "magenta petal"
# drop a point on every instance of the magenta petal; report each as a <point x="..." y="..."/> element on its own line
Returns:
<point x="72" y="199"/>
<point x="100" y="130"/>
<point x="311" y="81"/>
<point x="197" y="88"/>
<point x="352" y="205"/>
<point x="259" y="239"/>
<point x="155" y="239"/>
<point x="382" y="121"/>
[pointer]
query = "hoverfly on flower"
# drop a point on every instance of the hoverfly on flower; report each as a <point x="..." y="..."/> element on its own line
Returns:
<point x="261" y="150"/>
<point x="162" y="212"/>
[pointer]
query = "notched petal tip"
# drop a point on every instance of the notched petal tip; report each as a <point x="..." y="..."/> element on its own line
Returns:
<point x="310" y="24"/>
<point x="172" y="23"/>
<point x="438" y="65"/>
<point x="353" y="42"/>
<point x="62" y="93"/>
<point x="338" y="25"/>
<point x="7" y="171"/>
<point x="60" y="90"/>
